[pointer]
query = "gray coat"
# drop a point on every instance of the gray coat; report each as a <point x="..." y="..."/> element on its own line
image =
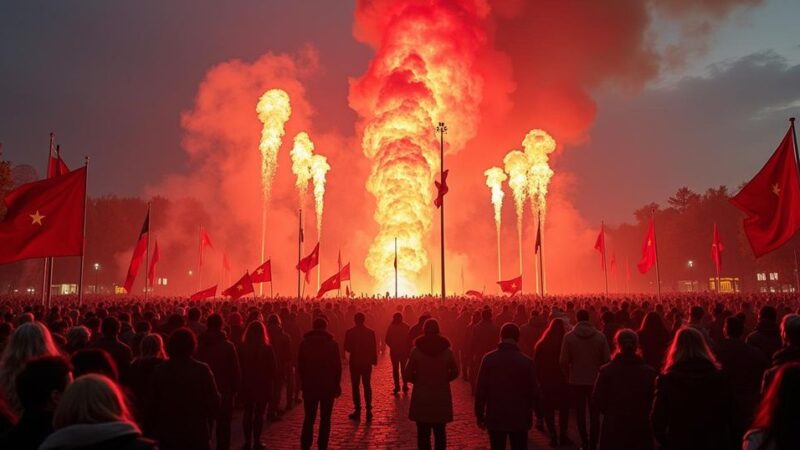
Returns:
<point x="583" y="351"/>
<point x="431" y="367"/>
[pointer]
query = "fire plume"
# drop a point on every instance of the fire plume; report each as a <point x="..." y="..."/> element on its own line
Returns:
<point x="426" y="70"/>
<point x="516" y="167"/>
<point x="319" y="168"/>
<point x="494" y="179"/>
<point x="538" y="145"/>
<point x="302" y="153"/>
<point x="273" y="110"/>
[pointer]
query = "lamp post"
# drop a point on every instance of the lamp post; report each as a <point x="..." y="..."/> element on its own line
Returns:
<point x="96" y="276"/>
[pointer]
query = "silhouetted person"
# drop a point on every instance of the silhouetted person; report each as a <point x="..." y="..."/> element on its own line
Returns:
<point x="94" y="360"/>
<point x="183" y="398"/>
<point x="623" y="393"/>
<point x="282" y="346"/>
<point x="553" y="381"/>
<point x="775" y="426"/>
<point x="654" y="339"/>
<point x="583" y="352"/>
<point x="431" y="367"/>
<point x="320" y="368"/>
<point x="767" y="335"/>
<point x="110" y="343"/>
<point x="39" y="388"/>
<point x="151" y="355"/>
<point x="694" y="406"/>
<point x="484" y="339"/>
<point x="790" y="333"/>
<point x="258" y="374"/>
<point x="744" y="365"/>
<point x="360" y="343"/>
<point x="397" y="341"/>
<point x="214" y="349"/>
<point x="506" y="392"/>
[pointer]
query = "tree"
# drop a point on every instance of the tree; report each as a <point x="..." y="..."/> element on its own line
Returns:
<point x="683" y="199"/>
<point x="6" y="182"/>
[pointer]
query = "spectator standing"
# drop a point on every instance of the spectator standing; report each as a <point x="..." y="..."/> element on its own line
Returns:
<point x="258" y="375"/>
<point x="397" y="341"/>
<point x="320" y="368"/>
<point x="775" y="427"/>
<point x="360" y="343"/>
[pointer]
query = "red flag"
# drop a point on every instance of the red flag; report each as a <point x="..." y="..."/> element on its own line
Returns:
<point x="511" y="286"/>
<point x="771" y="200"/>
<point x="613" y="263"/>
<point x="309" y="262"/>
<point x="139" y="251"/>
<point x="56" y="165"/>
<point x="44" y="218"/>
<point x="648" y="249"/>
<point x="600" y="246"/>
<point x="716" y="249"/>
<point x="205" y="293"/>
<point x="331" y="284"/>
<point x="263" y="273"/>
<point x="205" y="241"/>
<point x="475" y="294"/>
<point x="345" y="272"/>
<point x="151" y="273"/>
<point x="441" y="189"/>
<point x="241" y="288"/>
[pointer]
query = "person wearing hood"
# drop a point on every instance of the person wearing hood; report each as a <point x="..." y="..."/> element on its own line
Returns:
<point x="767" y="335"/>
<point x="623" y="393"/>
<point x="694" y="407"/>
<point x="214" y="349"/>
<point x="93" y="415"/>
<point x="431" y="367"/>
<point x="484" y="339"/>
<point x="319" y="367"/>
<point x="583" y="352"/>
<point x="790" y="334"/>
<point x="397" y="341"/>
<point x="506" y="393"/>
<point x="362" y="346"/>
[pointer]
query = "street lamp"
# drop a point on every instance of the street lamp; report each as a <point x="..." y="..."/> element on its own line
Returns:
<point x="96" y="275"/>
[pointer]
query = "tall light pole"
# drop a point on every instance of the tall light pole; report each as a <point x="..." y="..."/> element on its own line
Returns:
<point x="96" y="275"/>
<point x="442" y="129"/>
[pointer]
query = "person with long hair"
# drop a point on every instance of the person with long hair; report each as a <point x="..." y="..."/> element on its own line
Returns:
<point x="150" y="355"/>
<point x="694" y="406"/>
<point x="552" y="381"/>
<point x="93" y="414"/>
<point x="28" y="341"/>
<point x="257" y="361"/>
<point x="623" y="393"/>
<point x="776" y="425"/>
<point x="654" y="339"/>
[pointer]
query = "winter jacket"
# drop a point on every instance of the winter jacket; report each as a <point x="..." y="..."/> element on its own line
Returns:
<point x="783" y="356"/>
<point x="119" y="352"/>
<point x="624" y="394"/>
<point x="766" y="337"/>
<point x="485" y="336"/>
<point x="360" y="343"/>
<point x="29" y="432"/>
<point x="258" y="373"/>
<point x="214" y="349"/>
<point x="430" y="368"/>
<point x="695" y="408"/>
<point x="507" y="391"/>
<point x="744" y="365"/>
<point x="397" y="340"/>
<point x="98" y="436"/>
<point x="319" y="365"/>
<point x="583" y="351"/>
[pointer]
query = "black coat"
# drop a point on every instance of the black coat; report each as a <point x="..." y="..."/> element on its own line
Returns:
<point x="695" y="408"/>
<point x="552" y="380"/>
<point x="139" y="378"/>
<point x="99" y="436"/>
<point x="319" y="365"/>
<point x="654" y="345"/>
<point x="182" y="400"/>
<point x="397" y="340"/>
<point x="119" y="352"/>
<point x="783" y="356"/>
<point x="29" y="432"/>
<point x="214" y="349"/>
<point x="766" y="337"/>
<point x="624" y="394"/>
<point x="745" y="366"/>
<point x="258" y="373"/>
<point x="360" y="343"/>
<point x="506" y="391"/>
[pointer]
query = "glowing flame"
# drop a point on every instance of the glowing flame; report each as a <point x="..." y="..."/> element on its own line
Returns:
<point x="302" y="154"/>
<point x="516" y="166"/>
<point x="319" y="168"/>
<point x="425" y="71"/>
<point x="494" y="179"/>
<point x="538" y="145"/>
<point x="273" y="110"/>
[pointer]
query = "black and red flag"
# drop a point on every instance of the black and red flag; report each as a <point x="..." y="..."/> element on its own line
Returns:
<point x="44" y="218"/>
<point x="151" y="272"/>
<point x="241" y="288"/>
<point x="205" y="241"/>
<point x="204" y="294"/>
<point x="771" y="199"/>
<point x="56" y="165"/>
<point x="511" y="286"/>
<point x="263" y="273"/>
<point x="139" y="251"/>
<point x="309" y="262"/>
<point x="441" y="189"/>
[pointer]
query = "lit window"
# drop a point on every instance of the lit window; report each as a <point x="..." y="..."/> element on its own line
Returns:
<point x="761" y="277"/>
<point x="773" y="276"/>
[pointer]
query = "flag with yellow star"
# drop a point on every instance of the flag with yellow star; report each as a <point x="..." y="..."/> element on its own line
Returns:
<point x="44" y="218"/>
<point x="241" y="288"/>
<point x="263" y="273"/>
<point x="649" y="255"/>
<point x="771" y="199"/>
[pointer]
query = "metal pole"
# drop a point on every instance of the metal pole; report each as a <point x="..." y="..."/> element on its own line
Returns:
<point x="299" y="247"/>
<point x="655" y="247"/>
<point x="263" y="242"/>
<point x="605" y="268"/>
<point x="395" y="270"/>
<point x="442" y="129"/>
<point x="796" y="271"/>
<point x="147" y="255"/>
<point x="46" y="267"/>
<point x="541" y="252"/>
<point x="83" y="251"/>
<point x="200" y="260"/>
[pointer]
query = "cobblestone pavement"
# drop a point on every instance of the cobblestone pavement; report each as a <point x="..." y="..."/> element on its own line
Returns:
<point x="390" y="428"/>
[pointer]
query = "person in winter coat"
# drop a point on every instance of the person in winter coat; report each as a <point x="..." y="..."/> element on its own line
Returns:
<point x="744" y="365"/>
<point x="360" y="343"/>
<point x="214" y="349"/>
<point x="431" y="367"/>
<point x="320" y="369"/>
<point x="553" y="382"/>
<point x="110" y="343"/>
<point x="775" y="427"/>
<point x="258" y="373"/>
<point x="93" y="415"/>
<point x="623" y="393"/>
<point x="790" y="333"/>
<point x="767" y="335"/>
<point x="282" y="345"/>
<point x="397" y="341"/>
<point x="182" y="399"/>
<point x="151" y="355"/>
<point x="694" y="406"/>
<point x="483" y="340"/>
<point x="584" y="350"/>
<point x="506" y="393"/>
<point x="654" y="339"/>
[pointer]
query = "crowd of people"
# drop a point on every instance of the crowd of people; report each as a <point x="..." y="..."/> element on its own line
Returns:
<point x="683" y="372"/>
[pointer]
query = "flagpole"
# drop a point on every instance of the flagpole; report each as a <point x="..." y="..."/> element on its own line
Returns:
<point x="339" y="263"/>
<point x="655" y="247"/>
<point x="46" y="262"/>
<point x="794" y="136"/>
<point x="83" y="250"/>
<point x="541" y="252"/>
<point x="299" y="247"/>
<point x="431" y="278"/>
<point x="395" y="269"/>
<point x="200" y="259"/>
<point x="263" y="242"/>
<point x="796" y="271"/>
<point x="605" y="268"/>
<point x="147" y="255"/>
<point x="442" y="129"/>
